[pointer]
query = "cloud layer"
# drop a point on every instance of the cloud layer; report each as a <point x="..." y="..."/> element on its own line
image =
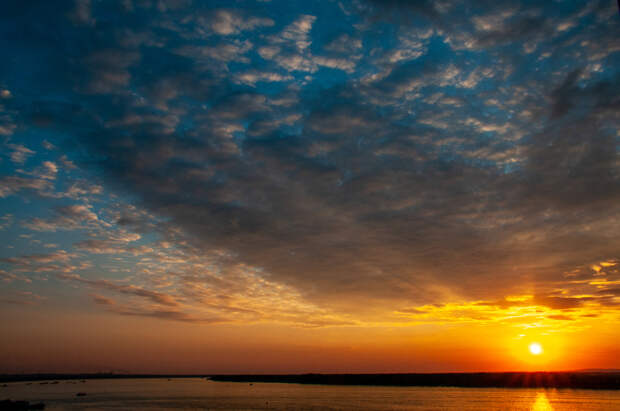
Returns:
<point x="363" y="159"/>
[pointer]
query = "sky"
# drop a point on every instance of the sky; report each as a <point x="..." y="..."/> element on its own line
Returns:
<point x="309" y="186"/>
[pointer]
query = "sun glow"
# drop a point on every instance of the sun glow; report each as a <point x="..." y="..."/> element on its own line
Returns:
<point x="535" y="349"/>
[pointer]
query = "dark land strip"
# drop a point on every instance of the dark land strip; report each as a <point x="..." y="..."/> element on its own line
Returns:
<point x="604" y="380"/>
<point x="4" y="378"/>
<point x="575" y="380"/>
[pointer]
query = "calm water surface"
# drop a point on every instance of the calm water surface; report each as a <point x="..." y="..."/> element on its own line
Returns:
<point x="199" y="394"/>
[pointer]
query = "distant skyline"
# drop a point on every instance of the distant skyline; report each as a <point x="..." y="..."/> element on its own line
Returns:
<point x="328" y="186"/>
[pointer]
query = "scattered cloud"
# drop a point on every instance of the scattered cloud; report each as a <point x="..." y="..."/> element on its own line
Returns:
<point x="227" y="22"/>
<point x="19" y="153"/>
<point x="153" y="296"/>
<point x="71" y="217"/>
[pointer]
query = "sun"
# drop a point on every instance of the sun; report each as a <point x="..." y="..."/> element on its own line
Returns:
<point x="535" y="349"/>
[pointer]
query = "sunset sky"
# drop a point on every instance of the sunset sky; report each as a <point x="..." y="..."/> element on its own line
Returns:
<point x="309" y="186"/>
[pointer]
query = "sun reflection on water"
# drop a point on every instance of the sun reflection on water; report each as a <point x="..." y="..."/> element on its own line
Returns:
<point x="541" y="403"/>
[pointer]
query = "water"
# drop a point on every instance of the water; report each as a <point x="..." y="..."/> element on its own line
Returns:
<point x="199" y="394"/>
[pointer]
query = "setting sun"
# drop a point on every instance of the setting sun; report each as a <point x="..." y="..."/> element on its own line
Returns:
<point x="535" y="349"/>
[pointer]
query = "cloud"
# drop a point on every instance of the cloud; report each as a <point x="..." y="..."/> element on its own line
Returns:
<point x="6" y="221"/>
<point x="102" y="300"/>
<point x="22" y="298"/>
<point x="10" y="185"/>
<point x="561" y="303"/>
<point x="204" y="22"/>
<point x="109" y="70"/>
<point x="19" y="153"/>
<point x="111" y="247"/>
<point x="443" y="162"/>
<point x="71" y="217"/>
<point x="7" y="117"/>
<point x="68" y="164"/>
<point x="8" y="277"/>
<point x="224" y="52"/>
<point x="402" y="9"/>
<point x="344" y="44"/>
<point x="82" y="190"/>
<point x="153" y="296"/>
<point x="166" y="315"/>
<point x="253" y="76"/>
<point x="289" y="48"/>
<point x="41" y="262"/>
<point x="297" y="32"/>
<point x="343" y="64"/>
<point x="227" y="22"/>
<point x="48" y="170"/>
<point x="82" y="14"/>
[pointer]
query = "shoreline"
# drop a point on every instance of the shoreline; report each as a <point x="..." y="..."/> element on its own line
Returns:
<point x="557" y="380"/>
<point x="597" y="380"/>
